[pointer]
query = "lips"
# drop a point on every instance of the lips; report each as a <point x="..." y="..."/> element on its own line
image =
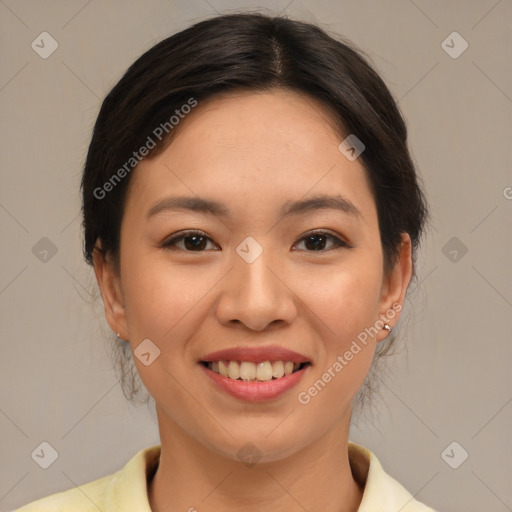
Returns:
<point x="256" y="355"/>
<point x="248" y="387"/>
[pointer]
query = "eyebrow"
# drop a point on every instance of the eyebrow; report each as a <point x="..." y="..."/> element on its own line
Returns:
<point x="301" y="207"/>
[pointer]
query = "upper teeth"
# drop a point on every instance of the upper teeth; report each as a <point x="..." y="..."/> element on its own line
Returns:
<point x="247" y="370"/>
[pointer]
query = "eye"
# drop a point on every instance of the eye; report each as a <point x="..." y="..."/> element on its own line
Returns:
<point x="197" y="241"/>
<point x="316" y="241"/>
<point x="193" y="241"/>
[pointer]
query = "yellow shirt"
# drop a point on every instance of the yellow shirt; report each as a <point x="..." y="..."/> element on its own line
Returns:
<point x="126" y="490"/>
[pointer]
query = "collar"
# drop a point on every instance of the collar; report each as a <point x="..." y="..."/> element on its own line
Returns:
<point x="128" y="487"/>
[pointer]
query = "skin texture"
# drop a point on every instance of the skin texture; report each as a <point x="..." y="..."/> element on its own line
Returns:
<point x="253" y="152"/>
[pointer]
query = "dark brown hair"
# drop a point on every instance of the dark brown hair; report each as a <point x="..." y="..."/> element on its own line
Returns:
<point x="250" y="52"/>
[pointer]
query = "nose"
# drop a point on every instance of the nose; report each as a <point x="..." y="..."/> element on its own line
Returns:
<point x="256" y="295"/>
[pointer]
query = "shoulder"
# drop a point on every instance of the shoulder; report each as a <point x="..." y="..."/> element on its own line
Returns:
<point x="381" y="490"/>
<point x="85" y="498"/>
<point x="116" y="492"/>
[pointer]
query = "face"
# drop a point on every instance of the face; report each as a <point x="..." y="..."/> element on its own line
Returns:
<point x="286" y="257"/>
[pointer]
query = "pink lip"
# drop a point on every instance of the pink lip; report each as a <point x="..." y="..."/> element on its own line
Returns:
<point x="256" y="391"/>
<point x="256" y="355"/>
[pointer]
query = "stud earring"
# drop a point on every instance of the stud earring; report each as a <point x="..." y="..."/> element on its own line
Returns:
<point x="387" y="327"/>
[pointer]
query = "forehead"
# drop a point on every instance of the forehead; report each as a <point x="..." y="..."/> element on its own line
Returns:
<point x="279" y="117"/>
<point x="256" y="148"/>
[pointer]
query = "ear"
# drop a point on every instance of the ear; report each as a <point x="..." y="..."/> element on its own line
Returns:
<point x="394" y="287"/>
<point x="109" y="281"/>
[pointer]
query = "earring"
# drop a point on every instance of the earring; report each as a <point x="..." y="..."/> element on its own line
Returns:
<point x="387" y="327"/>
<point x="119" y="337"/>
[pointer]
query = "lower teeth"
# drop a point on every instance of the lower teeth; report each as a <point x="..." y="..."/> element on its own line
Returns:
<point x="258" y="380"/>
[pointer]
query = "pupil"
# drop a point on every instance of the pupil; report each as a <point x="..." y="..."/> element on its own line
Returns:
<point x="314" y="242"/>
<point x="316" y="245"/>
<point x="198" y="242"/>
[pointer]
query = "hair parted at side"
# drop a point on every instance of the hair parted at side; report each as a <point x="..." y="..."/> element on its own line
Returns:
<point x="250" y="52"/>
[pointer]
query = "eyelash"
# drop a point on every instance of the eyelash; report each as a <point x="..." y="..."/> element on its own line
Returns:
<point x="170" y="244"/>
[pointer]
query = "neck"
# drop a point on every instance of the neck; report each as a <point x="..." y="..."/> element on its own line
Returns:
<point x="192" y="477"/>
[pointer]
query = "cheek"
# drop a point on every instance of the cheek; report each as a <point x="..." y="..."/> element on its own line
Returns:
<point x="164" y="304"/>
<point x="347" y="301"/>
<point x="348" y="307"/>
<point x="160" y="298"/>
<point x="346" y="298"/>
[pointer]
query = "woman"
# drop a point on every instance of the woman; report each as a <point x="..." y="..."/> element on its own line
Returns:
<point x="252" y="214"/>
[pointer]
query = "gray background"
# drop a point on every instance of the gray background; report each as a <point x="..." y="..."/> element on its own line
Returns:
<point x="451" y="383"/>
